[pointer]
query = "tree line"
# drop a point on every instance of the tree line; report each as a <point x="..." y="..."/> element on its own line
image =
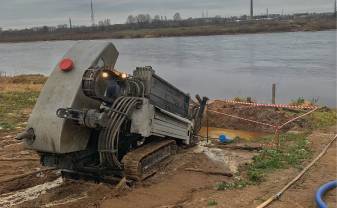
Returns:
<point x="141" y="21"/>
<point x="146" y="18"/>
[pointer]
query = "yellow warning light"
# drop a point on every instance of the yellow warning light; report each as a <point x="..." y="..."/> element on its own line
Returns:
<point x="124" y="75"/>
<point x="105" y="74"/>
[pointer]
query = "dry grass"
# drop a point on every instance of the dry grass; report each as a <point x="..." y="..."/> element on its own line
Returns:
<point x="20" y="87"/>
<point x="22" y="83"/>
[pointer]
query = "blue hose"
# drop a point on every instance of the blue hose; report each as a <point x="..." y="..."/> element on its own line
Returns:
<point x="321" y="191"/>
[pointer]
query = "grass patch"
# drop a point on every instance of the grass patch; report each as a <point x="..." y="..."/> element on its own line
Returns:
<point x="212" y="203"/>
<point x="243" y="99"/>
<point x="298" y="101"/>
<point x="294" y="150"/>
<point x="323" y="118"/>
<point x="238" y="184"/>
<point x="12" y="105"/>
<point x="6" y="126"/>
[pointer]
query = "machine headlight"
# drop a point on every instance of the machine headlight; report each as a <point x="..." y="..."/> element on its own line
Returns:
<point x="105" y="75"/>
<point x="124" y="75"/>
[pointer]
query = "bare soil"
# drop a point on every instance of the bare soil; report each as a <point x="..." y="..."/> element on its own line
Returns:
<point x="299" y="195"/>
<point x="16" y="161"/>
<point x="266" y="115"/>
<point x="172" y="186"/>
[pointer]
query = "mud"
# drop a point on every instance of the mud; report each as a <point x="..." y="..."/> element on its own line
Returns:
<point x="19" y="161"/>
<point x="28" y="194"/>
<point x="171" y="186"/>
<point x="228" y="159"/>
<point x="301" y="194"/>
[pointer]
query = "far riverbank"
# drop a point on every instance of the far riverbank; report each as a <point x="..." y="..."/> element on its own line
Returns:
<point x="262" y="26"/>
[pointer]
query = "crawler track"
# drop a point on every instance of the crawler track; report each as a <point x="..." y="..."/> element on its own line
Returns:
<point x="144" y="161"/>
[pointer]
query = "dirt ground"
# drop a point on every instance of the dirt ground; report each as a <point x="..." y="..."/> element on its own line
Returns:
<point x="172" y="186"/>
<point x="266" y="115"/>
<point x="299" y="195"/>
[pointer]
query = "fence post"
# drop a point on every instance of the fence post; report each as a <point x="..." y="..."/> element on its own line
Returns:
<point x="273" y="94"/>
<point x="206" y="123"/>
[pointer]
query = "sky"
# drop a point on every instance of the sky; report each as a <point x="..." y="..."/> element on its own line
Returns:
<point x="18" y="14"/>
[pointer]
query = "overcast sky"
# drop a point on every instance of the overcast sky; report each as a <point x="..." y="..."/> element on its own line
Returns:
<point x="29" y="13"/>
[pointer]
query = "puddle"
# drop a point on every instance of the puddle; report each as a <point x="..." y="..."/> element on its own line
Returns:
<point x="216" y="132"/>
<point x="14" y="198"/>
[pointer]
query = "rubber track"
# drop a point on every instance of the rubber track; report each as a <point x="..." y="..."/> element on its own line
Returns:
<point x="133" y="160"/>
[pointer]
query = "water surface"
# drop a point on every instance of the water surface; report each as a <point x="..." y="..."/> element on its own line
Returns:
<point x="215" y="133"/>
<point x="226" y="66"/>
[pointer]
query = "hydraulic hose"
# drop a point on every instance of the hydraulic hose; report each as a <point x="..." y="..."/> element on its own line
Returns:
<point x="321" y="191"/>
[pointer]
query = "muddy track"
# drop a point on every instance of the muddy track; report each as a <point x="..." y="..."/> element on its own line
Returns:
<point x="171" y="186"/>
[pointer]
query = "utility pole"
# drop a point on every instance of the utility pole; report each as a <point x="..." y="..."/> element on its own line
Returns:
<point x="70" y="25"/>
<point x="92" y="14"/>
<point x="335" y="9"/>
<point x="251" y="9"/>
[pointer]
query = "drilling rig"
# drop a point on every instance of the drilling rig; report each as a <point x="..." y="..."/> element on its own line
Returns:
<point x="92" y="119"/>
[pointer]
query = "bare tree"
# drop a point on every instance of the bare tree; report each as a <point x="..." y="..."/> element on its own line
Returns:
<point x="156" y="18"/>
<point x="177" y="17"/>
<point x="143" y="18"/>
<point x="103" y="23"/>
<point x="107" y="22"/>
<point x="131" y="19"/>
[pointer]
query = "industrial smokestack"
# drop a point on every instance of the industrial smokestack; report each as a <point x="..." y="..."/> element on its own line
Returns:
<point x="70" y="25"/>
<point x="251" y="9"/>
<point x="92" y="14"/>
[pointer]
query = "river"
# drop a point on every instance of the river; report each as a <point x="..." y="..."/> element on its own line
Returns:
<point x="302" y="64"/>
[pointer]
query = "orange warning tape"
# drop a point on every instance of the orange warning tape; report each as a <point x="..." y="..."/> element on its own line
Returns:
<point x="240" y="118"/>
<point x="298" y="117"/>
<point x="276" y="128"/>
<point x="269" y="105"/>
